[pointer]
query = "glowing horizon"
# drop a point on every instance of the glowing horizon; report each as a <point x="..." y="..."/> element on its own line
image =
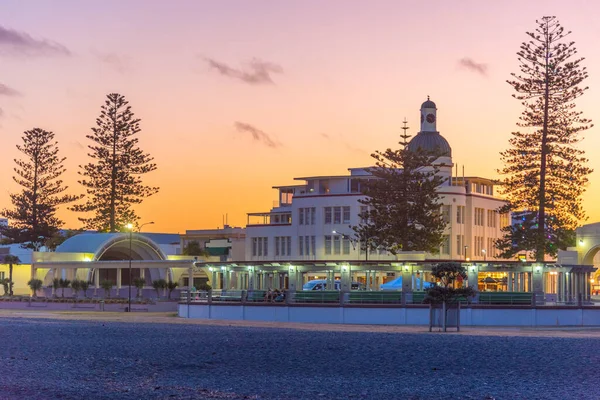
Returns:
<point x="236" y="97"/>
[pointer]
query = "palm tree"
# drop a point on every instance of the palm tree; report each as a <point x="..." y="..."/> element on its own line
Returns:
<point x="64" y="283"/>
<point x="171" y="286"/>
<point x="55" y="286"/>
<point x="139" y="283"/>
<point x="10" y="260"/>
<point x="76" y="286"/>
<point x="159" y="284"/>
<point x="35" y="285"/>
<point x="5" y="284"/>
<point x="84" y="286"/>
<point x="106" y="285"/>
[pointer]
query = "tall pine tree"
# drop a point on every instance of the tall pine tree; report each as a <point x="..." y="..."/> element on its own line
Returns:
<point x="33" y="215"/>
<point x="402" y="203"/>
<point x="545" y="175"/>
<point x="113" y="181"/>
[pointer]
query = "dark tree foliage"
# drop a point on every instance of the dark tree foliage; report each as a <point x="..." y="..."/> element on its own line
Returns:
<point x="33" y="216"/>
<point x="113" y="180"/>
<point x="403" y="205"/>
<point x="59" y="237"/>
<point x="545" y="175"/>
<point x="445" y="289"/>
<point x="193" y="248"/>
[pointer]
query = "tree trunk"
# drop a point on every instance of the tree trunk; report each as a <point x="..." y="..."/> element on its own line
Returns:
<point x="10" y="278"/>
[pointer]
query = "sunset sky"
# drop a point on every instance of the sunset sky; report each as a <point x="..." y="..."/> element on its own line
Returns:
<point x="239" y="96"/>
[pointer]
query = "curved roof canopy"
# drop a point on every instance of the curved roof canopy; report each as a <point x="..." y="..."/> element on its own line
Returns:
<point x="113" y="246"/>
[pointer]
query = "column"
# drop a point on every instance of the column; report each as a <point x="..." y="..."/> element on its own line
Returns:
<point x="96" y="281"/>
<point x="119" y="280"/>
<point x="55" y="276"/>
<point x="190" y="277"/>
<point x="167" y="279"/>
<point x="346" y="279"/>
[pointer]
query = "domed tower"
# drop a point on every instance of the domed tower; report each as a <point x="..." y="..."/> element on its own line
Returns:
<point x="430" y="139"/>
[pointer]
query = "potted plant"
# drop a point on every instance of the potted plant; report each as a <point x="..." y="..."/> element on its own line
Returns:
<point x="157" y="285"/>
<point x="171" y="286"/>
<point x="84" y="287"/>
<point x="76" y="286"/>
<point x="35" y="285"/>
<point x="139" y="283"/>
<point x="106" y="285"/>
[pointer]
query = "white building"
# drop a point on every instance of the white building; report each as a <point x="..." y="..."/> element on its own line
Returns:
<point x="313" y="219"/>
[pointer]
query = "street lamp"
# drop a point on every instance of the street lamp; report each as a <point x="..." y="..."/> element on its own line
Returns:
<point x="466" y="247"/>
<point x="130" y="227"/>
<point x="484" y="254"/>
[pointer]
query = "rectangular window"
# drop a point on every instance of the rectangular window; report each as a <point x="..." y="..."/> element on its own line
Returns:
<point x="460" y="214"/>
<point x="301" y="216"/>
<point x="301" y="245"/>
<point x="346" y="245"/>
<point x="446" y="212"/>
<point x="283" y="245"/>
<point x="491" y="248"/>
<point x="445" y="249"/>
<point x="327" y="244"/>
<point x="313" y="244"/>
<point x="491" y="218"/>
<point x="460" y="245"/>
<point x="313" y="211"/>
<point x="504" y="220"/>
<point x="346" y="216"/>
<point x="254" y="247"/>
<point x="307" y="245"/>
<point x="363" y="215"/>
<point x="478" y="246"/>
<point x="337" y="215"/>
<point x="337" y="249"/>
<point x="478" y="217"/>
<point x="328" y="215"/>
<point x="265" y="246"/>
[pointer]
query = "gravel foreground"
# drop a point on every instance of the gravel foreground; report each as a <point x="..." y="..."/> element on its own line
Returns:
<point x="50" y="359"/>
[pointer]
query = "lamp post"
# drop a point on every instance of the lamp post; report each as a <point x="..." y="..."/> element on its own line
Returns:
<point x="466" y="247"/>
<point x="484" y="254"/>
<point x="130" y="227"/>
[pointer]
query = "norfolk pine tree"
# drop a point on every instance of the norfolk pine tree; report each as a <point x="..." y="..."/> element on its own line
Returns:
<point x="32" y="217"/>
<point x="113" y="180"/>
<point x="545" y="175"/>
<point x="403" y="206"/>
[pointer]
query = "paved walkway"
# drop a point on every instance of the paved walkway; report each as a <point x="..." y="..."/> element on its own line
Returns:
<point x="172" y="318"/>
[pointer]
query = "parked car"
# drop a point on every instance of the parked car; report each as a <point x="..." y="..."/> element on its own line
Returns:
<point x="321" y="284"/>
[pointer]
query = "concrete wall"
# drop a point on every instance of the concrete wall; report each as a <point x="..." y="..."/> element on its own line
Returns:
<point x="527" y="317"/>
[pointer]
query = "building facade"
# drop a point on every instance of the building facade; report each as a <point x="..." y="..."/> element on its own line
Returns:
<point x="313" y="219"/>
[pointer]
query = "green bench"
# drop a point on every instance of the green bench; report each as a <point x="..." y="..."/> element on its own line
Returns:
<point x="256" y="295"/>
<point x="226" y="296"/>
<point x="418" y="297"/>
<point x="317" y="296"/>
<point x="506" y="298"/>
<point x="362" y="297"/>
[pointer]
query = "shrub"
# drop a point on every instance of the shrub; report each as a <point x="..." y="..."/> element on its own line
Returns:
<point x="106" y="285"/>
<point x="171" y="286"/>
<point x="35" y="285"/>
<point x="159" y="284"/>
<point x="84" y="286"/>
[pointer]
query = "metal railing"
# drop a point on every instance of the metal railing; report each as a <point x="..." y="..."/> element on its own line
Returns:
<point x="364" y="297"/>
